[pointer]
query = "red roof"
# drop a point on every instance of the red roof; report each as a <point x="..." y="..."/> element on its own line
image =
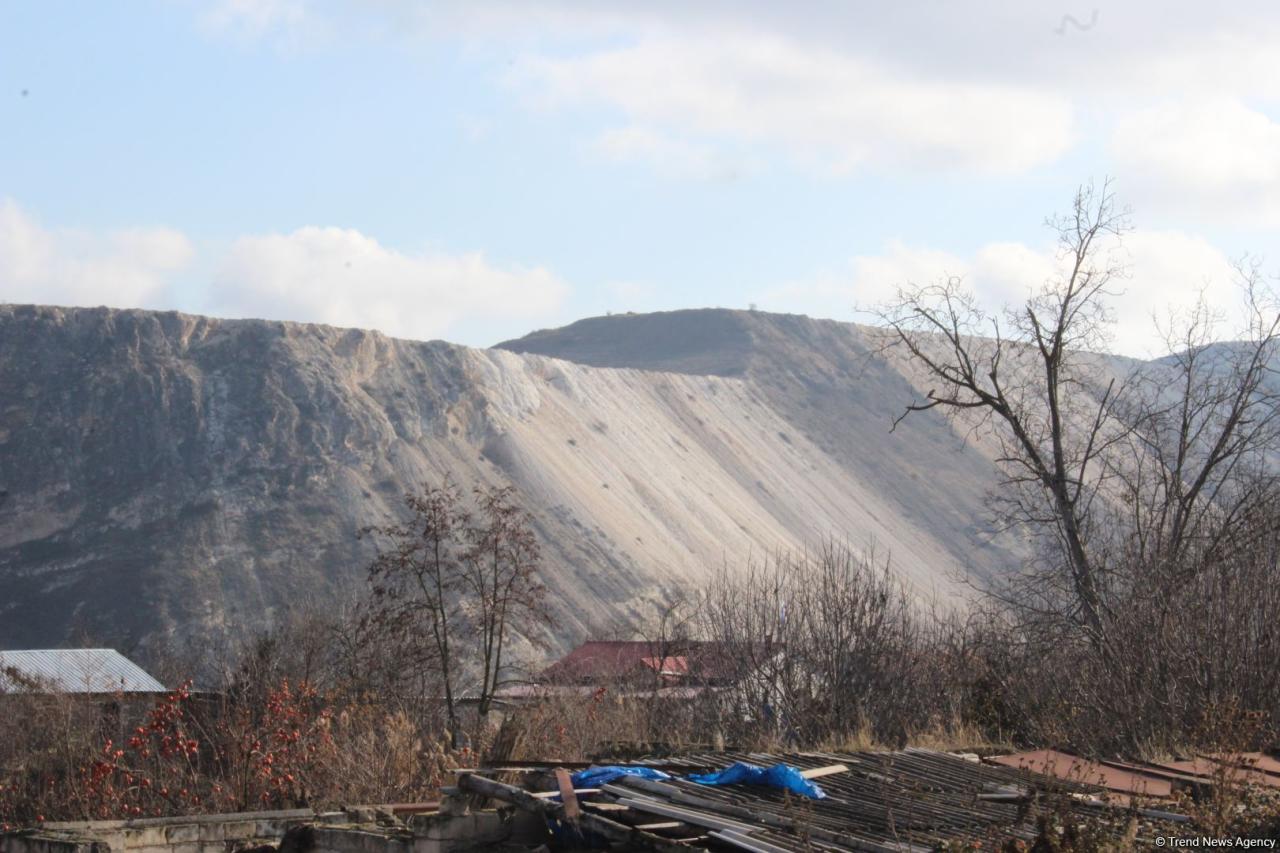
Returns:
<point x="600" y="661"/>
<point x="674" y="665"/>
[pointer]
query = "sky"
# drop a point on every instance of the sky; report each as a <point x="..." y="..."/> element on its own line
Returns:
<point x="476" y="170"/>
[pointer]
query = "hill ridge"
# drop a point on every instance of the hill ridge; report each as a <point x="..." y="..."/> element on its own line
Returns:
<point x="166" y="475"/>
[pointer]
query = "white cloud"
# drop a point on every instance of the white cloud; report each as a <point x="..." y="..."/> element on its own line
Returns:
<point x="1214" y="156"/>
<point x="999" y="273"/>
<point x="1169" y="272"/>
<point x="122" y="268"/>
<point x="320" y="275"/>
<point x="834" y="111"/>
<point x="1233" y="54"/>
<point x="987" y="87"/>
<point x="345" y="278"/>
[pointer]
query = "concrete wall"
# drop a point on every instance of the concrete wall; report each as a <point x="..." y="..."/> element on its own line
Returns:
<point x="199" y="834"/>
<point x="481" y="830"/>
<point x="335" y="832"/>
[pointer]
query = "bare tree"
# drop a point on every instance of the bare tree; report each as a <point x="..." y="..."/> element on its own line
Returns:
<point x="1151" y="486"/>
<point x="1205" y="422"/>
<point x="501" y="584"/>
<point x="1026" y="377"/>
<point x="821" y="645"/>
<point x="1111" y="467"/>
<point x="416" y="579"/>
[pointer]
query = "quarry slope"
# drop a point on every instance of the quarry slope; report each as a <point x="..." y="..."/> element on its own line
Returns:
<point x="172" y="476"/>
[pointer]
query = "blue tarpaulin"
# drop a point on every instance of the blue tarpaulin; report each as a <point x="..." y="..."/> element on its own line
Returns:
<point x="594" y="777"/>
<point x="782" y="776"/>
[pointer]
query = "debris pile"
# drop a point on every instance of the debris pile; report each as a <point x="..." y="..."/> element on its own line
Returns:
<point x="912" y="800"/>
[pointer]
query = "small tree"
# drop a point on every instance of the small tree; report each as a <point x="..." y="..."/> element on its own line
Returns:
<point x="452" y="583"/>
<point x="416" y="579"/>
<point x="501" y="583"/>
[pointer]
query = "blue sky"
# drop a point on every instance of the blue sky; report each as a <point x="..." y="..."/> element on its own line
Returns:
<point x="473" y="171"/>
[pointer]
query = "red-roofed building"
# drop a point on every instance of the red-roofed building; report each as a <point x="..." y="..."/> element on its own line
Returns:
<point x="638" y="664"/>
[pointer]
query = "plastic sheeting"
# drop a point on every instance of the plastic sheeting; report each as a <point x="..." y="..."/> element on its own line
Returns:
<point x="594" y="777"/>
<point x="782" y="776"/>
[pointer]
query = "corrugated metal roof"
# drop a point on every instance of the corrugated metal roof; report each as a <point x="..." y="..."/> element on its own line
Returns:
<point x="914" y="800"/>
<point x="76" y="671"/>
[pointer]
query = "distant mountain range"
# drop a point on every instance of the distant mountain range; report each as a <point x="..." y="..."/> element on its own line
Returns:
<point x="171" y="475"/>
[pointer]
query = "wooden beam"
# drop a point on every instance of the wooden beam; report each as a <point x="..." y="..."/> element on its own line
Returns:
<point x="818" y="772"/>
<point x="572" y="811"/>
<point x="546" y="795"/>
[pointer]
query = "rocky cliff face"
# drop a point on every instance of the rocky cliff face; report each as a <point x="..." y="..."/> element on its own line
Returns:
<point x="164" y="474"/>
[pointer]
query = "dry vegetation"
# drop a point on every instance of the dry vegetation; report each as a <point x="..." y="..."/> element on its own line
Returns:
<point x="823" y="650"/>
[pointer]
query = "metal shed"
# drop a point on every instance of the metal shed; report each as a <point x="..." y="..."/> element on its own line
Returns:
<point x="86" y="671"/>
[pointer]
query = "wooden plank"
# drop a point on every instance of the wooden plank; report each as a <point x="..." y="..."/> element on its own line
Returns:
<point x="572" y="811"/>
<point x="819" y="772"/>
<point x="669" y="824"/>
<point x="546" y="795"/>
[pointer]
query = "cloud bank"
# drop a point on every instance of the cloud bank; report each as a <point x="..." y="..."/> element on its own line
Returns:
<point x="130" y="267"/>
<point x="830" y="111"/>
<point x="318" y="275"/>
<point x="1168" y="273"/>
<point x="342" y="277"/>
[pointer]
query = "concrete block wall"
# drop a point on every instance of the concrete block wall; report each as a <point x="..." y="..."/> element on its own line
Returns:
<point x="453" y="833"/>
<point x="353" y="831"/>
<point x="334" y="833"/>
<point x="199" y="834"/>
<point x="31" y="842"/>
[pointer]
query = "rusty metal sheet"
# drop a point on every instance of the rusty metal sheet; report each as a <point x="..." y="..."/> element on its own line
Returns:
<point x="1210" y="769"/>
<point x="1255" y="760"/>
<point x="1179" y="780"/>
<point x="1066" y="766"/>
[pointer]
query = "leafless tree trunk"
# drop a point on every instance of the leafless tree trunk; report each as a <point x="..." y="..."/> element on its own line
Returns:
<point x="416" y="578"/>
<point x="501" y="584"/>
<point x="1153" y="489"/>
<point x="1025" y="377"/>
<point x="1205" y="421"/>
<point x="1107" y="470"/>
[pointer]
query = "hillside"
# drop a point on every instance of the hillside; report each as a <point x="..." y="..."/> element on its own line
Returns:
<point x="165" y="474"/>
